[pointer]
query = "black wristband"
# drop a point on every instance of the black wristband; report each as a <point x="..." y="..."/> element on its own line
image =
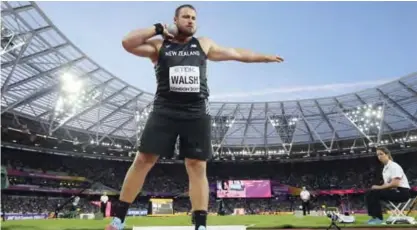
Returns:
<point x="159" y="28"/>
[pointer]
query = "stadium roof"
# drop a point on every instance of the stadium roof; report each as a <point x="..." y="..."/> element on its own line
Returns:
<point x="32" y="66"/>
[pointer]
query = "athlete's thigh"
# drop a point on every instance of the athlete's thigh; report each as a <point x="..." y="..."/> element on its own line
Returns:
<point x="159" y="135"/>
<point x="195" y="138"/>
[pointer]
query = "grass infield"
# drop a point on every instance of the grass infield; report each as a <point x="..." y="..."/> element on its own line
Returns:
<point x="252" y="221"/>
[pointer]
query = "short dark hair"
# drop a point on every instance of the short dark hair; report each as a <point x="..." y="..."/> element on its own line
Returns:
<point x="385" y="150"/>
<point x="177" y="11"/>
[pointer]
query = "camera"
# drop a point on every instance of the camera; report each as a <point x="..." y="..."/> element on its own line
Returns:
<point x="333" y="216"/>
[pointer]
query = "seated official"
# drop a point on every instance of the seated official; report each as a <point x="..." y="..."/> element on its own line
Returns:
<point x="395" y="188"/>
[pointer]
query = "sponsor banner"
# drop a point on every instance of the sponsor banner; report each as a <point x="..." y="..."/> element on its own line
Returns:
<point x="170" y="194"/>
<point x="137" y="212"/>
<point x="13" y="172"/>
<point x="36" y="188"/>
<point x="14" y="216"/>
<point x="244" y="189"/>
<point x="281" y="189"/>
<point x="145" y="193"/>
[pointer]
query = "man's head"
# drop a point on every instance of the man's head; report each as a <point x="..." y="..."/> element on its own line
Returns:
<point x="304" y="188"/>
<point x="185" y="19"/>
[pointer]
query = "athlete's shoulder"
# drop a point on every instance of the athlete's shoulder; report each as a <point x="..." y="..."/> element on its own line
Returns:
<point x="205" y="43"/>
<point x="205" y="40"/>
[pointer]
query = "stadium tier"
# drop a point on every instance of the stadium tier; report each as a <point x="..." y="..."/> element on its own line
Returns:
<point x="94" y="107"/>
<point x="75" y="136"/>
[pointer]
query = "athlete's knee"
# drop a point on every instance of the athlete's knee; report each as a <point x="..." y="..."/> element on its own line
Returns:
<point x="195" y="168"/>
<point x="144" y="161"/>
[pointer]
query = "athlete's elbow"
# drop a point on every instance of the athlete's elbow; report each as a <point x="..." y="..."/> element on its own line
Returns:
<point x="127" y="45"/>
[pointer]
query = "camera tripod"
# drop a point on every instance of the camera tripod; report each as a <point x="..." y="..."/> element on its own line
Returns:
<point x="333" y="225"/>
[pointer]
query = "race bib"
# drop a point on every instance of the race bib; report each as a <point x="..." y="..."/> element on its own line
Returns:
<point x="184" y="79"/>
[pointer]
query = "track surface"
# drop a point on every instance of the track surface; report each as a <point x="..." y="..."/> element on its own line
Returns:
<point x="387" y="228"/>
<point x="253" y="222"/>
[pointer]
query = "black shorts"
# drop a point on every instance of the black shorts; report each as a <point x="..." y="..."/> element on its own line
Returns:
<point x="161" y="131"/>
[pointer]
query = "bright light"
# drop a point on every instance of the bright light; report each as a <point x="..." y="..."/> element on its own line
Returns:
<point x="277" y="120"/>
<point x="70" y="83"/>
<point x="366" y="118"/>
<point x="229" y="123"/>
<point x="59" y="105"/>
<point x="72" y="98"/>
<point x="137" y="116"/>
<point x="281" y="152"/>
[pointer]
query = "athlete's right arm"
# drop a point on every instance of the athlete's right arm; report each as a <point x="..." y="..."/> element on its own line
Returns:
<point x="138" y="42"/>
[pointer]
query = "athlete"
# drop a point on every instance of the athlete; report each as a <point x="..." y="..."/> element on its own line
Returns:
<point x="180" y="107"/>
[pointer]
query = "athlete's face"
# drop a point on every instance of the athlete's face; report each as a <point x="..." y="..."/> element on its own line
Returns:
<point x="186" y="22"/>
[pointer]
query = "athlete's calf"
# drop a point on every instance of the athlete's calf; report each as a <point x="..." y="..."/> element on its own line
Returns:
<point x="198" y="190"/>
<point x="133" y="183"/>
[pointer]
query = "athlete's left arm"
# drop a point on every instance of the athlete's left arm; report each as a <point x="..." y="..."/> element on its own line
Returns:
<point x="216" y="52"/>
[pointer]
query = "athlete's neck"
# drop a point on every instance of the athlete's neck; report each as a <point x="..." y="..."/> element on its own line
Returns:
<point x="181" y="39"/>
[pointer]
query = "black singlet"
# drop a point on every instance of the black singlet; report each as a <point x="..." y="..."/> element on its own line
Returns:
<point x="181" y="80"/>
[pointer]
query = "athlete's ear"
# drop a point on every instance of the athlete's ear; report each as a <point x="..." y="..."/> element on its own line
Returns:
<point x="175" y="20"/>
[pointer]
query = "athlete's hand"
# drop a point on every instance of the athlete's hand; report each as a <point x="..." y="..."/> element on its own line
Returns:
<point x="166" y="34"/>
<point x="274" y="58"/>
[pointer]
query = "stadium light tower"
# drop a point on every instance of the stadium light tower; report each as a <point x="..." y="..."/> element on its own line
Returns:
<point x="72" y="96"/>
<point x="368" y="120"/>
<point x="285" y="126"/>
<point x="12" y="48"/>
<point x="140" y="118"/>
<point x="10" y="40"/>
<point x="220" y="127"/>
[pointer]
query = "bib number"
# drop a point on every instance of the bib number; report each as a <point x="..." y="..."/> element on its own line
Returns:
<point x="184" y="79"/>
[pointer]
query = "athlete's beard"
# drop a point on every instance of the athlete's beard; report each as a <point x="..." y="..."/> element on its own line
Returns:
<point x="185" y="33"/>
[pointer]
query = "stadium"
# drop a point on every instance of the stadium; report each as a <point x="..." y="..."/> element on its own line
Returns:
<point x="70" y="129"/>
